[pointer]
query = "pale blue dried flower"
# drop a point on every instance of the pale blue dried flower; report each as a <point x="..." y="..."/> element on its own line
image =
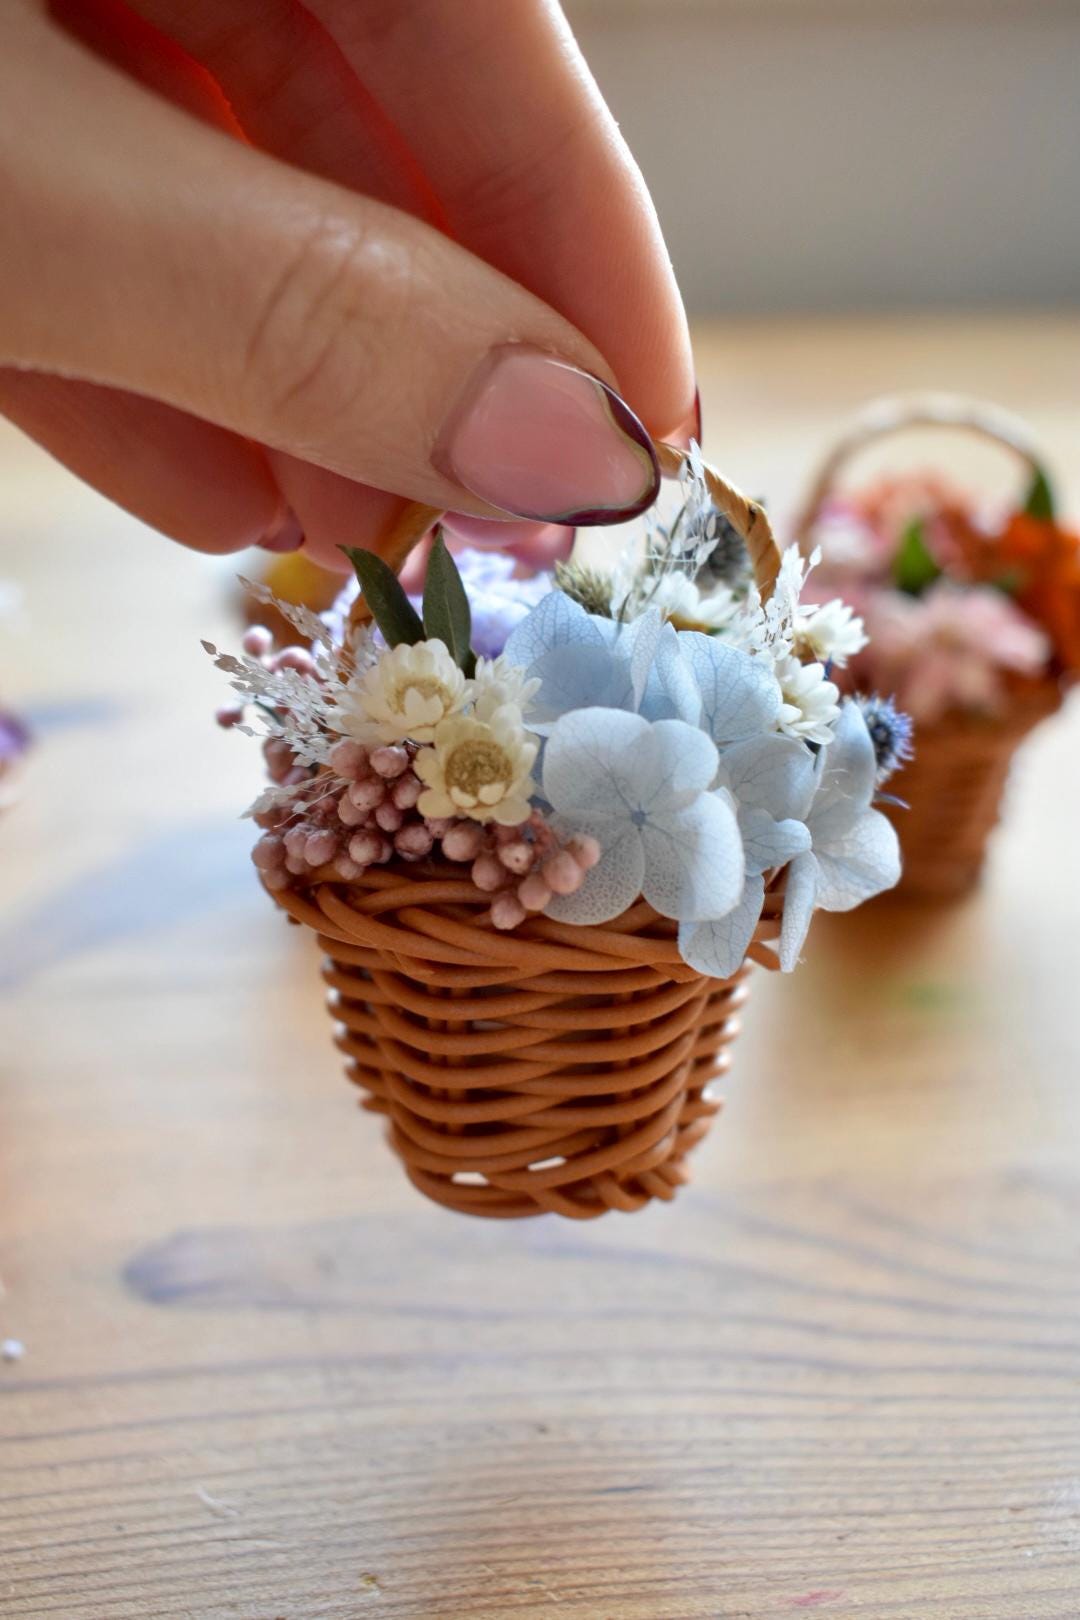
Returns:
<point x="642" y="790"/>
<point x="771" y="781"/>
<point x="854" y="852"/>
<point x="582" y="661"/>
<point x="740" y="694"/>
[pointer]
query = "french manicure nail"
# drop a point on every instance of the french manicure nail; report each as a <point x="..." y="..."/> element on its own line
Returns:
<point x="287" y="535"/>
<point x="543" y="440"/>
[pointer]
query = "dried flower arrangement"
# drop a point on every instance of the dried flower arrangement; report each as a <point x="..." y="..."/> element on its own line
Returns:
<point x="973" y="618"/>
<point x="539" y="869"/>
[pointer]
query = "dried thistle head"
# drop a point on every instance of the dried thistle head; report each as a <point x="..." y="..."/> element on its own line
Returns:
<point x="728" y="563"/>
<point x="591" y="588"/>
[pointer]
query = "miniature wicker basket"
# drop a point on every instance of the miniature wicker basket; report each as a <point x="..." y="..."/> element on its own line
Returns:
<point x="555" y="1069"/>
<point x="954" y="787"/>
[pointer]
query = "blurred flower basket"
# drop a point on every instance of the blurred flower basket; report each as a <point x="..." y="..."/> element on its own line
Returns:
<point x="973" y="621"/>
<point x="540" y="874"/>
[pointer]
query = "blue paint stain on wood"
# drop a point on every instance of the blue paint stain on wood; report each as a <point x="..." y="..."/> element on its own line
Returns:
<point x="193" y="870"/>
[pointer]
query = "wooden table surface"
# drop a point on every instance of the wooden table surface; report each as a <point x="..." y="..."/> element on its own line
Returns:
<point x="263" y="1380"/>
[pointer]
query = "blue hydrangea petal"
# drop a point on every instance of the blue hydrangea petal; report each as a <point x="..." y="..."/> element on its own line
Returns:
<point x="719" y="948"/>
<point x="639" y="642"/>
<point x="672" y="692"/>
<point x="864" y="863"/>
<point x="556" y="621"/>
<point x="591" y="763"/>
<point x="693" y="859"/>
<point x="848" y="777"/>
<point x="578" y="676"/>
<point x="613" y="883"/>
<point x="740" y="694"/>
<point x="768" y="843"/>
<point x="673" y="762"/>
<point x="800" y="896"/>
<point x="772" y="773"/>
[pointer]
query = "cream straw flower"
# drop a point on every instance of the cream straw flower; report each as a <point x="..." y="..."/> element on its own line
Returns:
<point x="679" y="600"/>
<point x="478" y="768"/>
<point x="811" y="704"/>
<point x="405" y="694"/>
<point x="830" y="632"/>
<point x="499" y="683"/>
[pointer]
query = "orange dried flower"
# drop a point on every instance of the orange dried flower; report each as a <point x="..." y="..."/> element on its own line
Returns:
<point x="1039" y="563"/>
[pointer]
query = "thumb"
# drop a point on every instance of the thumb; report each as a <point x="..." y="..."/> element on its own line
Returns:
<point x="164" y="258"/>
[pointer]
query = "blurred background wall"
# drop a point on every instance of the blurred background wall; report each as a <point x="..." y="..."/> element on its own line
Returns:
<point x="827" y="155"/>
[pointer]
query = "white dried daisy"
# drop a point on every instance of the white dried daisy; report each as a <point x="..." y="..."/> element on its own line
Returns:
<point x="830" y="632"/>
<point x="499" y="684"/>
<point x="679" y="600"/>
<point x="811" y="704"/>
<point x="405" y="694"/>
<point x="478" y="768"/>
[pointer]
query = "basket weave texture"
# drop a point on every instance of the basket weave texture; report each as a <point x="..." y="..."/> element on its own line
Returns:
<point x="557" y="1069"/>
<point x="552" y="1069"/>
<point x="954" y="789"/>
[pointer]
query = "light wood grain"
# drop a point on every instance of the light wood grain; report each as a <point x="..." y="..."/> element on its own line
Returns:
<point x="264" y="1381"/>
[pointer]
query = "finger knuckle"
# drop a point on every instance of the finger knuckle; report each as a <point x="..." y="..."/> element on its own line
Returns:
<point x="297" y="367"/>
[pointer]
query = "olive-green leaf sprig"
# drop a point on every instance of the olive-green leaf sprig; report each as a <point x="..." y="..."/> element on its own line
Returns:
<point x="385" y="596"/>
<point x="446" y="607"/>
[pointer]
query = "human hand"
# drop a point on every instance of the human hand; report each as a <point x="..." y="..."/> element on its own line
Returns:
<point x="270" y="269"/>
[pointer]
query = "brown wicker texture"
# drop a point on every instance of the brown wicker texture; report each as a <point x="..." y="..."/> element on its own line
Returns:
<point x="556" y="1069"/>
<point x="553" y="1069"/>
<point x="954" y="786"/>
<point x="953" y="790"/>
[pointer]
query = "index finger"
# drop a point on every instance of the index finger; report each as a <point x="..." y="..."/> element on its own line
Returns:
<point x="507" y="122"/>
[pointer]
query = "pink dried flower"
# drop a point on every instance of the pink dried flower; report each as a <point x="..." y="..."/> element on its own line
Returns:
<point x="947" y="649"/>
<point x="462" y="841"/>
<point x="366" y="848"/>
<point x="585" y="850"/>
<point x="297" y="658"/>
<point x="257" y="641"/>
<point x="368" y="793"/>
<point x="320" y="848"/>
<point x="406" y="790"/>
<point x="507" y="911"/>
<point x="348" y="759"/>
<point x="488" y="873"/>
<point x="349" y="814"/>
<point x="533" y="892"/>
<point x="562" y="873"/>
<point x="388" y="816"/>
<point x="517" y="857"/>
<point x="414" y="841"/>
<point x="269" y="852"/>
<point x="389" y="761"/>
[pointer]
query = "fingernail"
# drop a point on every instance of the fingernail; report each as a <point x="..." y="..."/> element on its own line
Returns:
<point x="691" y="428"/>
<point x="543" y="440"/>
<point x="286" y="536"/>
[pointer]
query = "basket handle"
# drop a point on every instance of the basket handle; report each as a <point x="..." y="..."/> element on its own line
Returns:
<point x="747" y="517"/>
<point x="885" y="417"/>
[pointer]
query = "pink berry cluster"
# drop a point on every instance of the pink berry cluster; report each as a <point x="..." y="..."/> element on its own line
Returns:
<point x="520" y="867"/>
<point x="363" y="812"/>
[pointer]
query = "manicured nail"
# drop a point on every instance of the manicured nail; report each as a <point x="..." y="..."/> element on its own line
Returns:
<point x="691" y="427"/>
<point x="541" y="439"/>
<point x="286" y="536"/>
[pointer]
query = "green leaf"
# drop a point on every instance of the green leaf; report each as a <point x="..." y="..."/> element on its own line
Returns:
<point x="1039" y="501"/>
<point x="446" y="606"/>
<point x="913" y="566"/>
<point x="385" y="596"/>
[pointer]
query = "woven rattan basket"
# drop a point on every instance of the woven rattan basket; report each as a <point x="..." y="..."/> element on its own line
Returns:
<point x="954" y="787"/>
<point x="554" y="1069"/>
